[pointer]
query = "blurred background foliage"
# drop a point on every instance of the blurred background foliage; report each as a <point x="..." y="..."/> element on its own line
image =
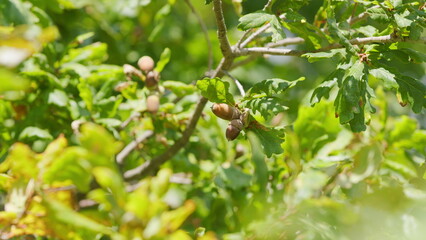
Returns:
<point x="60" y="64"/>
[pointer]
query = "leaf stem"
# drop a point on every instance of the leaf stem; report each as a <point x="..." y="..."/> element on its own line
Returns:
<point x="132" y="146"/>
<point x="237" y="83"/>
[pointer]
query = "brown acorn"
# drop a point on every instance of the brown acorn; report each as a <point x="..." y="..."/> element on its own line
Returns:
<point x="146" y="63"/>
<point x="152" y="79"/>
<point x="152" y="103"/>
<point x="234" y="128"/>
<point x="225" y="111"/>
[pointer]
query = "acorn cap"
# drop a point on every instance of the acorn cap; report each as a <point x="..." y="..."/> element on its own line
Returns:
<point x="151" y="80"/>
<point x="237" y="123"/>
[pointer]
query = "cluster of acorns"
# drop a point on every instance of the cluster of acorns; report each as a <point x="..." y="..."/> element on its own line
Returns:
<point x="238" y="120"/>
<point x="150" y="77"/>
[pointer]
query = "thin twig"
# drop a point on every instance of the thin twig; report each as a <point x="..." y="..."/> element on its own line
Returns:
<point x="270" y="51"/>
<point x="246" y="33"/>
<point x="237" y="83"/>
<point x="225" y="47"/>
<point x="87" y="203"/>
<point x="254" y="35"/>
<point x="286" y="42"/>
<point x="129" y="120"/>
<point x="291" y="52"/>
<point x="267" y="5"/>
<point x="205" y="32"/>
<point x="180" y="178"/>
<point x="132" y="146"/>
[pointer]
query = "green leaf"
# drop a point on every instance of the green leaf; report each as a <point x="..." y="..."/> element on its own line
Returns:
<point x="104" y="76"/>
<point x="387" y="77"/>
<point x="269" y="87"/>
<point x="208" y="2"/>
<point x="366" y="162"/>
<point x="86" y="94"/>
<point x="72" y="166"/>
<point x="258" y="159"/>
<point x="34" y="133"/>
<point x="351" y="95"/>
<point x="62" y="213"/>
<point x="234" y="178"/>
<point x="397" y="160"/>
<point x="85" y="36"/>
<point x="254" y="20"/>
<point x="164" y="59"/>
<point x="108" y="106"/>
<point x="161" y="182"/>
<point x="11" y="82"/>
<point x="266" y="106"/>
<point x="396" y="3"/>
<point x="308" y="183"/>
<point x="313" y="57"/>
<point x="95" y="53"/>
<point x="286" y="5"/>
<point x="270" y="138"/>
<point x="406" y="135"/>
<point x="297" y="24"/>
<point x="356" y="70"/>
<point x="334" y="29"/>
<point x="378" y="14"/>
<point x="21" y="161"/>
<point x="105" y="90"/>
<point x="215" y="90"/>
<point x="415" y="56"/>
<point x="358" y="122"/>
<point x="347" y="100"/>
<point x="277" y="29"/>
<point x="415" y="31"/>
<point x="98" y="141"/>
<point x="43" y="77"/>
<point x="316" y="126"/>
<point x="403" y="129"/>
<point x="324" y="89"/>
<point x="160" y="21"/>
<point x="58" y="98"/>
<point x="179" y="88"/>
<point x="401" y="19"/>
<point x="111" y="180"/>
<point x="172" y="220"/>
<point x="367" y="31"/>
<point x="413" y="92"/>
